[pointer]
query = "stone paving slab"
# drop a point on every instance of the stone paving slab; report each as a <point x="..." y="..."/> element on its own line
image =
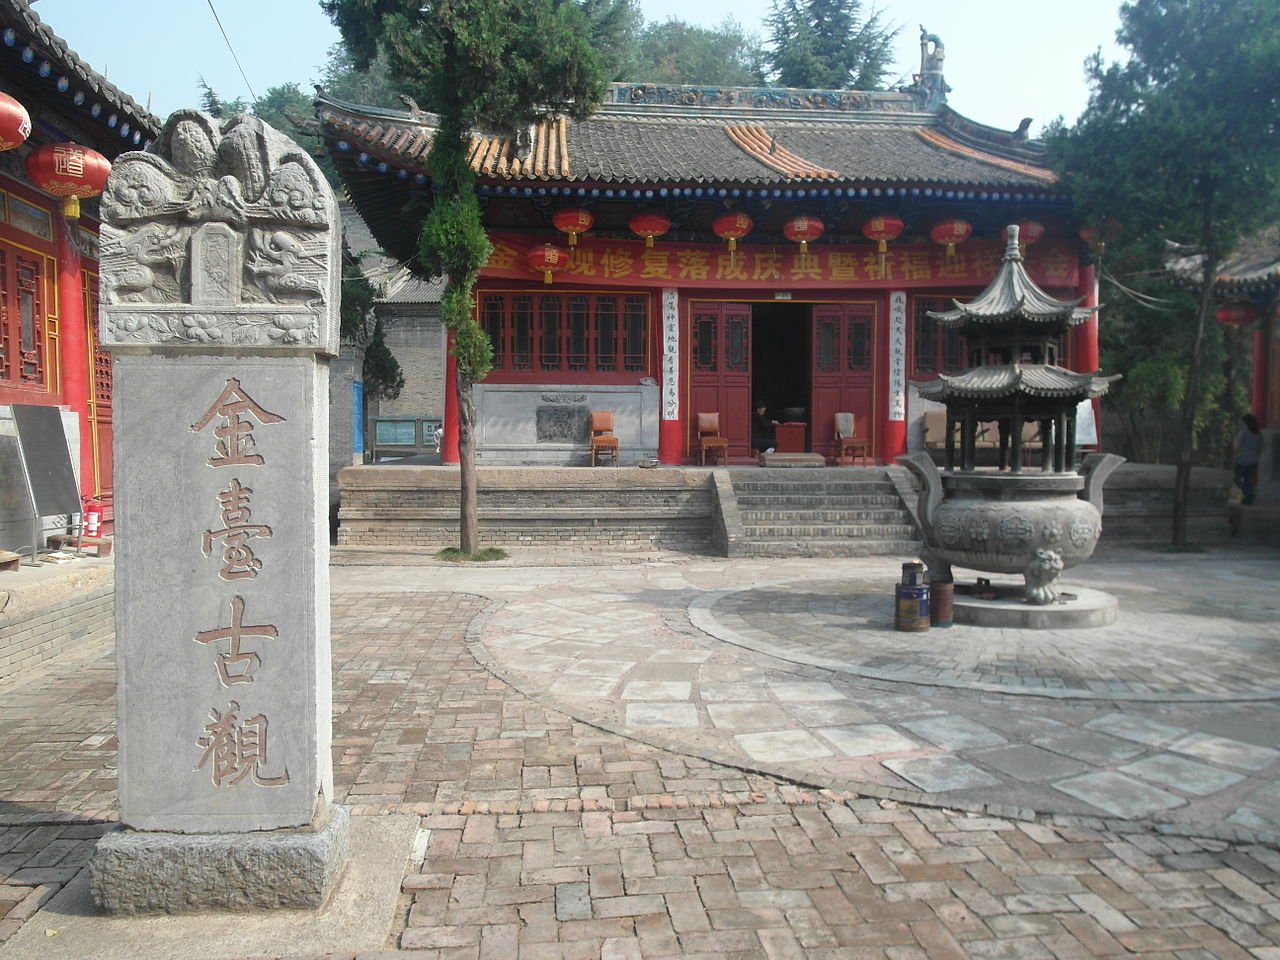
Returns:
<point x="664" y="853"/>
<point x="788" y="685"/>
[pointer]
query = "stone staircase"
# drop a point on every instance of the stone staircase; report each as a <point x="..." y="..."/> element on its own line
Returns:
<point x="820" y="513"/>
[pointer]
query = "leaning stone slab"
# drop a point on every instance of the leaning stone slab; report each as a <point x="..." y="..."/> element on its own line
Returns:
<point x="154" y="872"/>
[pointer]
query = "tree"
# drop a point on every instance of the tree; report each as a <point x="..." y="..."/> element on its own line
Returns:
<point x="614" y="27"/>
<point x="214" y="105"/>
<point x="1182" y="143"/>
<point x="494" y="64"/>
<point x="677" y="52"/>
<point x="829" y="44"/>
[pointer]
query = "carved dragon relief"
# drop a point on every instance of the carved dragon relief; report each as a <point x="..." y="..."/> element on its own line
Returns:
<point x="224" y="232"/>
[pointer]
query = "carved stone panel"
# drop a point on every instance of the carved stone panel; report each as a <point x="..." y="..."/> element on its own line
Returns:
<point x="556" y="424"/>
<point x="223" y="235"/>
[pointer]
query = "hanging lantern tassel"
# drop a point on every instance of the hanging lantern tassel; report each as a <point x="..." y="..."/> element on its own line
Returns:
<point x="882" y="229"/>
<point x="802" y="229"/>
<point x="548" y="259"/>
<point x="649" y="225"/>
<point x="950" y="232"/>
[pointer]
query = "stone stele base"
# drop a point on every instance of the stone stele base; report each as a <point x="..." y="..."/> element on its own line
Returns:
<point x="1086" y="608"/>
<point x="136" y="871"/>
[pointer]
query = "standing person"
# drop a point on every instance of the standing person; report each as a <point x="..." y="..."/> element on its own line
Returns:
<point x="762" y="429"/>
<point x="1248" y="453"/>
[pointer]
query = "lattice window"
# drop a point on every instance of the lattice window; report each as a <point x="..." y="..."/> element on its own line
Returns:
<point x="936" y="349"/>
<point x="101" y="359"/>
<point x="22" y="318"/>
<point x="579" y="334"/>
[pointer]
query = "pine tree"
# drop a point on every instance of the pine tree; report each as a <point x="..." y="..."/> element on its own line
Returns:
<point x="496" y="64"/>
<point x="829" y="44"/>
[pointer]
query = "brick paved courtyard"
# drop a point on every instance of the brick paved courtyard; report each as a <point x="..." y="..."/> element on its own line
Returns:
<point x="570" y="826"/>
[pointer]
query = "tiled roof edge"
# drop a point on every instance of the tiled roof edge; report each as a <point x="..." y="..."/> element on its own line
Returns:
<point x="19" y="13"/>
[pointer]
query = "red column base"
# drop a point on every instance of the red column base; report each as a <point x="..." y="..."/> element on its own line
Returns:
<point x="893" y="440"/>
<point x="669" y="441"/>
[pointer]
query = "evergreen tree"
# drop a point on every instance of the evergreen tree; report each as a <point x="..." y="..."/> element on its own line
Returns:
<point x="677" y="52"/>
<point x="1182" y="143"/>
<point x="495" y="64"/>
<point x="829" y="44"/>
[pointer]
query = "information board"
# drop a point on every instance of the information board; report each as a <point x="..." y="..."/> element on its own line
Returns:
<point x="44" y="450"/>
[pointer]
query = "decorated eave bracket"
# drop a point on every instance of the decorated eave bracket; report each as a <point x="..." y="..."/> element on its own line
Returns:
<point x="245" y="212"/>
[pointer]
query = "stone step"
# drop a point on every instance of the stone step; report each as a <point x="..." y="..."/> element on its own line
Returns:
<point x="888" y="531"/>
<point x="826" y="548"/>
<point x="838" y="517"/>
<point x="812" y="486"/>
<point x="818" y="502"/>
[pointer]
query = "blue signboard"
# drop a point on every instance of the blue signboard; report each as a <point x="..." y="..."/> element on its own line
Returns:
<point x="357" y="417"/>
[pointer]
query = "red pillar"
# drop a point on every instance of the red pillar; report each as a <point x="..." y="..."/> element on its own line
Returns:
<point x="1261" y="367"/>
<point x="449" y="446"/>
<point x="73" y="346"/>
<point x="891" y="358"/>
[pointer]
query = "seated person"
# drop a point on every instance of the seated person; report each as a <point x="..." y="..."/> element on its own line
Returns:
<point x="762" y="429"/>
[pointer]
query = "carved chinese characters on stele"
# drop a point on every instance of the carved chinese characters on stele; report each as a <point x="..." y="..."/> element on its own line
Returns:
<point x="220" y="287"/>
<point x="224" y="685"/>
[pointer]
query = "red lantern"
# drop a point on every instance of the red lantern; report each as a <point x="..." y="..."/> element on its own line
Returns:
<point x="649" y="225"/>
<point x="1236" y="314"/>
<point x="573" y="221"/>
<point x="548" y="259"/>
<point x="15" y="122"/>
<point x="732" y="227"/>
<point x="882" y="230"/>
<point x="1088" y="235"/>
<point x="802" y="229"/>
<point x="70" y="171"/>
<point x="950" y="232"/>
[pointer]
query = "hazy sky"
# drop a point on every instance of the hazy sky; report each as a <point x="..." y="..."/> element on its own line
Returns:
<point x="1005" y="59"/>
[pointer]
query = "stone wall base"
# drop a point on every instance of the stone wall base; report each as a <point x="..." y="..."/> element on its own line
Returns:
<point x="138" y="871"/>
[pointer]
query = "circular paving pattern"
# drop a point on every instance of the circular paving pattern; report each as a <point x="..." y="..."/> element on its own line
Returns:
<point x="847" y="625"/>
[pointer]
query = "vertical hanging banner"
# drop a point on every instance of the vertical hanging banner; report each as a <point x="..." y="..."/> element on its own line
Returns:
<point x="670" y="355"/>
<point x="898" y="355"/>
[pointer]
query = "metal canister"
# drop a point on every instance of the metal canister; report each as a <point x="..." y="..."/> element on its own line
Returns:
<point x="911" y="607"/>
<point x="912" y="574"/>
<point x="941" y="597"/>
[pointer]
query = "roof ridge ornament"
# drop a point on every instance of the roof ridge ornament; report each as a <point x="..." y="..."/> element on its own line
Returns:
<point x="929" y="85"/>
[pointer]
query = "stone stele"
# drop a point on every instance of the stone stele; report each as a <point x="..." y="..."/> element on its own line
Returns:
<point x="220" y="272"/>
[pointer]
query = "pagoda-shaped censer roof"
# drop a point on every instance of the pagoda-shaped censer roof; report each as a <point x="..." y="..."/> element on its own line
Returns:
<point x="1034" y="381"/>
<point x="1013" y="296"/>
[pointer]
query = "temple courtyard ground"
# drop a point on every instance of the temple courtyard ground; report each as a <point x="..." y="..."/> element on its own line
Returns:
<point x="655" y="754"/>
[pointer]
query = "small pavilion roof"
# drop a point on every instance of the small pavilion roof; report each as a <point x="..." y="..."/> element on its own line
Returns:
<point x="1013" y="296"/>
<point x="1036" y="381"/>
<point x="1252" y="268"/>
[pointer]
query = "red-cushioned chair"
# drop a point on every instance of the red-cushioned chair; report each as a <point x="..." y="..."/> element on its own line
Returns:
<point x="848" y="444"/>
<point x="709" y="439"/>
<point x="604" y="445"/>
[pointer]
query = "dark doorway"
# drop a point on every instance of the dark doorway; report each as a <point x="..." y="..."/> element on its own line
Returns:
<point x="780" y="373"/>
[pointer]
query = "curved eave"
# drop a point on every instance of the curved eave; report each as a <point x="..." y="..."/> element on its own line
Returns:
<point x="1027" y="381"/>
<point x="48" y="46"/>
<point x="661" y="151"/>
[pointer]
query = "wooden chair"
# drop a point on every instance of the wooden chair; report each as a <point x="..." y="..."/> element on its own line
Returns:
<point x="604" y="445"/>
<point x="709" y="439"/>
<point x="848" y="444"/>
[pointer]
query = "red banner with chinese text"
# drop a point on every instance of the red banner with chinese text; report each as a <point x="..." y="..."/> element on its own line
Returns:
<point x="628" y="263"/>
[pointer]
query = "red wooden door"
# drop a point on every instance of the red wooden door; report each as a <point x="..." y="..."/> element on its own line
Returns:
<point x="843" y="371"/>
<point x="720" y="373"/>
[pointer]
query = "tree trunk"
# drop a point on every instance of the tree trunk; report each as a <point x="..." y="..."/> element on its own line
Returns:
<point x="1191" y="400"/>
<point x="468" y="515"/>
